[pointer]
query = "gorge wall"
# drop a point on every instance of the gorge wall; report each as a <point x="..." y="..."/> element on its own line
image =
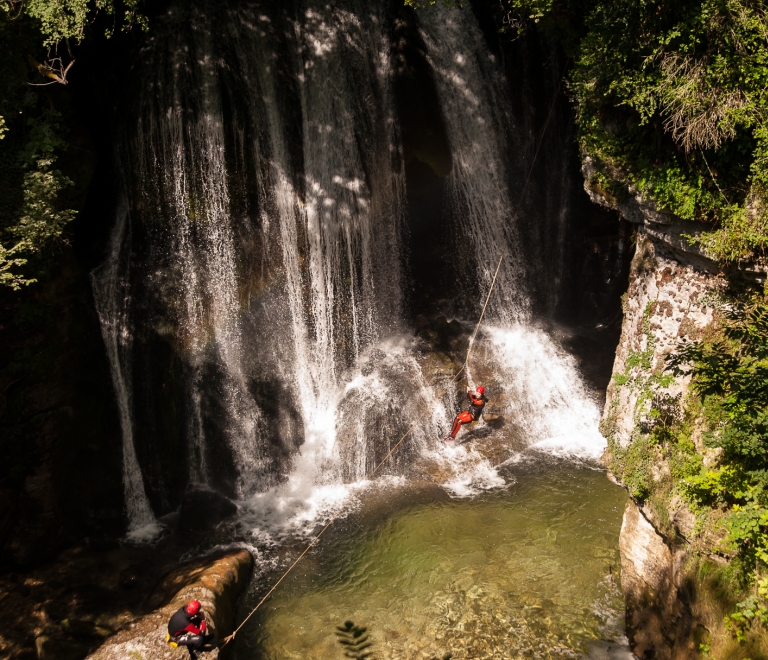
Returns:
<point x="671" y="559"/>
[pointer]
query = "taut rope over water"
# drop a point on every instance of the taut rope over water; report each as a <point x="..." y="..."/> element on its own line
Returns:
<point x="229" y="638"/>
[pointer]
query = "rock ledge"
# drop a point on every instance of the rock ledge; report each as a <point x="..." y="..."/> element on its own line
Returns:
<point x="215" y="582"/>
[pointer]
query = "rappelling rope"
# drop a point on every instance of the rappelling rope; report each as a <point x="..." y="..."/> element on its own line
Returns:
<point x="477" y="327"/>
<point x="229" y="638"/>
<point x="311" y="543"/>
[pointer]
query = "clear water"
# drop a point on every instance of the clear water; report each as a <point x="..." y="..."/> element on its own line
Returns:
<point x="525" y="571"/>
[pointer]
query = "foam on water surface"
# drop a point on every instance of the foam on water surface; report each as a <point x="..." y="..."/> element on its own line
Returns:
<point x="533" y="385"/>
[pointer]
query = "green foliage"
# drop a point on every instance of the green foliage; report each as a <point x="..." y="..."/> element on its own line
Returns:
<point x="34" y="191"/>
<point x="33" y="217"/>
<point x="638" y="372"/>
<point x="747" y="612"/>
<point x="632" y="465"/>
<point x="41" y="222"/>
<point x="729" y="372"/>
<point x="671" y="104"/>
<point x="354" y="640"/>
<point x="61" y="20"/>
<point x="8" y="260"/>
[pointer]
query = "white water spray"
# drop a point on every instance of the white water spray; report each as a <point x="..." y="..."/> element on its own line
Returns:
<point x="536" y="384"/>
<point x="110" y="300"/>
<point x="472" y="95"/>
<point x="268" y="170"/>
<point x="339" y="235"/>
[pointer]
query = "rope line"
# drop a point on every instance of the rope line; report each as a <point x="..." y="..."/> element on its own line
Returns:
<point x="477" y="327"/>
<point x="455" y="377"/>
<point x="229" y="638"/>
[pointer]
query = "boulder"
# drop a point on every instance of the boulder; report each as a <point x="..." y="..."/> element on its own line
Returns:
<point x="659" y="623"/>
<point x="202" y="509"/>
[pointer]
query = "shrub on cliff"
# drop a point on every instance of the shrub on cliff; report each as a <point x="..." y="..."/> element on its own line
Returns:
<point x="729" y="372"/>
<point x="671" y="104"/>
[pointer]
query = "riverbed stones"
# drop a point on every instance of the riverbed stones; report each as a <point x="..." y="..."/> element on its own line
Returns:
<point x="216" y="583"/>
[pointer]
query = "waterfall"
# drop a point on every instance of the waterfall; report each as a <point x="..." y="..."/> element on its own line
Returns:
<point x="264" y="178"/>
<point x="535" y="383"/>
<point x="110" y="299"/>
<point x="259" y="296"/>
<point x="339" y="223"/>
<point x="472" y="97"/>
<point x="177" y="160"/>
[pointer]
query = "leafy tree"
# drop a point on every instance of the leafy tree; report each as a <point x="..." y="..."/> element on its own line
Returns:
<point x="671" y="101"/>
<point x="39" y="38"/>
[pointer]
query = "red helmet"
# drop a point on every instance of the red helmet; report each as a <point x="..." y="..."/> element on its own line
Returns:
<point x="480" y="390"/>
<point x="193" y="607"/>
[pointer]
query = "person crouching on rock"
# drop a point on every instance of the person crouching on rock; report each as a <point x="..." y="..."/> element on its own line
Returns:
<point x="187" y="627"/>
<point x="477" y="402"/>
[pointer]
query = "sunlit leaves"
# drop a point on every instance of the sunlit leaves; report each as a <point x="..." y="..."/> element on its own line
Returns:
<point x="67" y="19"/>
<point x="672" y="101"/>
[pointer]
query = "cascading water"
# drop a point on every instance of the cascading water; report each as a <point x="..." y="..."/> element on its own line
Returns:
<point x="472" y="97"/>
<point x="262" y="284"/>
<point x="339" y="222"/>
<point x="110" y="299"/>
<point x="267" y="195"/>
<point x="535" y="383"/>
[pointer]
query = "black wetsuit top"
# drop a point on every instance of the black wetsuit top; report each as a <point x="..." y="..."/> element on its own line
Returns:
<point x="476" y="409"/>
<point x="182" y="622"/>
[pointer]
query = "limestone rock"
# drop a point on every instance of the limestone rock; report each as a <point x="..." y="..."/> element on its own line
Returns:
<point x="665" y="302"/>
<point x="658" y="622"/>
<point x="216" y="585"/>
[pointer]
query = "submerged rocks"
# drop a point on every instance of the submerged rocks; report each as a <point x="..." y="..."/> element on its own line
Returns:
<point x="215" y="582"/>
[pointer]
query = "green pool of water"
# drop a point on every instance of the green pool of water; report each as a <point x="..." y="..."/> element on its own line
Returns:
<point x="524" y="572"/>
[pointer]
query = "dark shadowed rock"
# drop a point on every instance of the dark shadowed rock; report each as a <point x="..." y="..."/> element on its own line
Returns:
<point x="59" y="649"/>
<point x="659" y="622"/>
<point x="203" y="509"/>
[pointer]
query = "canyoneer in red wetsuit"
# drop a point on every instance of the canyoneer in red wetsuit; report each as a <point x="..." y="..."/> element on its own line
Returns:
<point x="477" y="402"/>
<point x="187" y="627"/>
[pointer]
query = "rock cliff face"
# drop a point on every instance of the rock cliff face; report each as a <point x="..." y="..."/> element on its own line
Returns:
<point x="666" y="301"/>
<point x="659" y="621"/>
<point x="670" y="296"/>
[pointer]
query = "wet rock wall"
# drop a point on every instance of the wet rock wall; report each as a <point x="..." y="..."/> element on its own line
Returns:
<point x="674" y="610"/>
